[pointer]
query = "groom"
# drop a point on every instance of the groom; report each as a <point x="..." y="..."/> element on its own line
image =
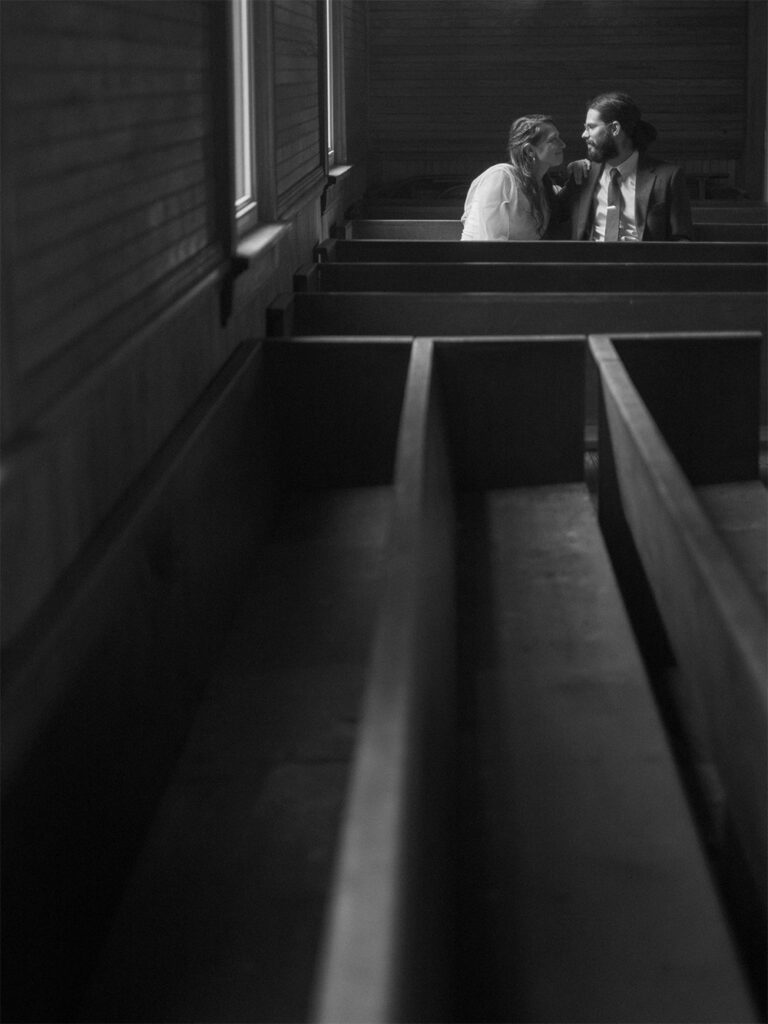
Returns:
<point x="625" y="196"/>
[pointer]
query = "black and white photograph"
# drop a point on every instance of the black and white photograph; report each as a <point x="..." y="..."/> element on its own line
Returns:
<point x="384" y="519"/>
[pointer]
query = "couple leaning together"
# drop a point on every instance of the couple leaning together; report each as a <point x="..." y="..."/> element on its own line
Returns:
<point x="620" y="194"/>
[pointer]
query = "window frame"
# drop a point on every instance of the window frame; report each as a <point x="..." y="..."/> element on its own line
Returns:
<point x="245" y="182"/>
<point x="335" y="126"/>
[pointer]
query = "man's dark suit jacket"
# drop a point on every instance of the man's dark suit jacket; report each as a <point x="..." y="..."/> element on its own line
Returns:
<point x="662" y="207"/>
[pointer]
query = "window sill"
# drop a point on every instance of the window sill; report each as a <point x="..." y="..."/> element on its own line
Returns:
<point x="339" y="172"/>
<point x="259" y="241"/>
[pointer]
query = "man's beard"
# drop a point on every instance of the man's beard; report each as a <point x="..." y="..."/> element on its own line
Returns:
<point x="599" y="152"/>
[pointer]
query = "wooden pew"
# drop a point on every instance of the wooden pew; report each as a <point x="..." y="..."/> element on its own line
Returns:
<point x="349" y="250"/>
<point x="362" y="313"/>
<point x="678" y="481"/>
<point x="730" y="213"/>
<point x="720" y="231"/>
<point x="386" y="952"/>
<point x="494" y="313"/>
<point x="400" y="209"/>
<point x="531" y="277"/>
<point x="450" y="230"/>
<point x="100" y="689"/>
<point x="434" y="229"/>
<point x="572" y="827"/>
<point x="221" y="915"/>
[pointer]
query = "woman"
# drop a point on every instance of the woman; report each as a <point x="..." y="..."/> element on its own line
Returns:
<point x="513" y="201"/>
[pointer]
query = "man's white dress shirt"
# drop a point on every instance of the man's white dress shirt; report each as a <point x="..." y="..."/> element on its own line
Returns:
<point x="627" y="222"/>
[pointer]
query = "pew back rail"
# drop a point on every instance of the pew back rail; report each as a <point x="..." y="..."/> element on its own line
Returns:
<point x="652" y="460"/>
<point x="450" y="230"/>
<point x="346" y="250"/>
<point x="530" y="277"/>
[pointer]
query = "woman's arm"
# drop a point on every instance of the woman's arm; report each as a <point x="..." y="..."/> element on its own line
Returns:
<point x="487" y="218"/>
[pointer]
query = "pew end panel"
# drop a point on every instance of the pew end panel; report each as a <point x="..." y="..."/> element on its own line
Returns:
<point x="657" y="524"/>
<point x="280" y="317"/>
<point x="306" y="278"/>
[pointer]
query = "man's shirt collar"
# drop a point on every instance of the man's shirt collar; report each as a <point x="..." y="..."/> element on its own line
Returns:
<point x="628" y="169"/>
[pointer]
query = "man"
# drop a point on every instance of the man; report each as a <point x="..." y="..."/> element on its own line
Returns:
<point x="625" y="196"/>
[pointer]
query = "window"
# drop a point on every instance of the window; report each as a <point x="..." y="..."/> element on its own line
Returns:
<point x="334" y="82"/>
<point x="242" y="66"/>
<point x="329" y="83"/>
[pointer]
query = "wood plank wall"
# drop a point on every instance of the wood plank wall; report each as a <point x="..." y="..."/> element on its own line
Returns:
<point x="130" y="409"/>
<point x="355" y="66"/>
<point x="114" y="246"/>
<point x="447" y="77"/>
<point x="299" y="137"/>
<point x="107" y="153"/>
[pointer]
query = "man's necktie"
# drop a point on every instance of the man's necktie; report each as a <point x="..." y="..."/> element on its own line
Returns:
<point x="613" y="213"/>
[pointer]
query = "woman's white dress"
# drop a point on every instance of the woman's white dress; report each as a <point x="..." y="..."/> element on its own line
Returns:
<point x="496" y="209"/>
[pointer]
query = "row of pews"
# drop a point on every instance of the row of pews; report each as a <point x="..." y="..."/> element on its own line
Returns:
<point x="712" y="221"/>
<point x="572" y="869"/>
<point x="487" y="741"/>
<point x="450" y="230"/>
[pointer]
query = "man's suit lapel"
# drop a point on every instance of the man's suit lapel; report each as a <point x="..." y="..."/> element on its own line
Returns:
<point x="586" y="203"/>
<point x="646" y="176"/>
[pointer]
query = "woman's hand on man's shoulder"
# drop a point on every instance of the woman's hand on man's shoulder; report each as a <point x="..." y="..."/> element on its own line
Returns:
<point x="578" y="170"/>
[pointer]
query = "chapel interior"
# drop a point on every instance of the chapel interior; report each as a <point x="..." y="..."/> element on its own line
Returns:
<point x="383" y="615"/>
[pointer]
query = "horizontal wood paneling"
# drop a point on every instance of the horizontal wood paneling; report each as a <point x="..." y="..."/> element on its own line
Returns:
<point x="447" y="77"/>
<point x="299" y="143"/>
<point x="99" y="692"/>
<point x="356" y="74"/>
<point x="107" y="158"/>
<point x="112" y="259"/>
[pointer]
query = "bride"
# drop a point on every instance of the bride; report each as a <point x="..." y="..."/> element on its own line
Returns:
<point x="513" y="201"/>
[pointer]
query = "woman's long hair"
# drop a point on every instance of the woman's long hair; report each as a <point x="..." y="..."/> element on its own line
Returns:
<point x="524" y="131"/>
<point x="619" y="106"/>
